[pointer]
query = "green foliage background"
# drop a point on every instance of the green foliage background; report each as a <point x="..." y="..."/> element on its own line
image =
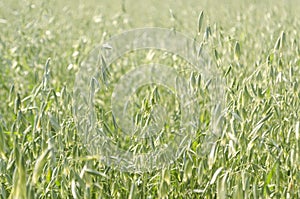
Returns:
<point x="254" y="43"/>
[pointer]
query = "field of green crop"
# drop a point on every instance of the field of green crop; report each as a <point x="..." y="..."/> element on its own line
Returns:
<point x="255" y="46"/>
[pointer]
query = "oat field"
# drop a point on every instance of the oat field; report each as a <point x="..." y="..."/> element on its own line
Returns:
<point x="255" y="49"/>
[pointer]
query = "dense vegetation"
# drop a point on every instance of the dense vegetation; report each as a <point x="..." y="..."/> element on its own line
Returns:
<point x="255" y="46"/>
